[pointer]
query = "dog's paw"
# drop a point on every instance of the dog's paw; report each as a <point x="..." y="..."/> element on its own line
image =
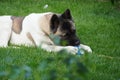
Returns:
<point x="88" y="49"/>
<point x="71" y="49"/>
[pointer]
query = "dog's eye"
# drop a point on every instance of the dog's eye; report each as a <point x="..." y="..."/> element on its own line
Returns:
<point x="74" y="31"/>
<point x="67" y="34"/>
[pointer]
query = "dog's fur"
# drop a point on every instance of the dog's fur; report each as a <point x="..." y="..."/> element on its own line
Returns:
<point x="36" y="28"/>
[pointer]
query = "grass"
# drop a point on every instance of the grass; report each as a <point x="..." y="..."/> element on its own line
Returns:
<point x="97" y="24"/>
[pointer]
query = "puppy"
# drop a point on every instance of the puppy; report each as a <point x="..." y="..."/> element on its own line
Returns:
<point x="36" y="30"/>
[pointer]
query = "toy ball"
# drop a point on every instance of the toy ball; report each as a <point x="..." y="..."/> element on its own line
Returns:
<point x="80" y="51"/>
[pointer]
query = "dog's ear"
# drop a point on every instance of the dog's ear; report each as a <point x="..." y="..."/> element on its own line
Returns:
<point x="54" y="23"/>
<point x="67" y="14"/>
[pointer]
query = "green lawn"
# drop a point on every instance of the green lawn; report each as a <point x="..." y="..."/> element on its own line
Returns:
<point x="97" y="24"/>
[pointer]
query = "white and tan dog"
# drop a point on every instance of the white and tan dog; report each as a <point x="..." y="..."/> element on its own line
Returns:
<point x="36" y="28"/>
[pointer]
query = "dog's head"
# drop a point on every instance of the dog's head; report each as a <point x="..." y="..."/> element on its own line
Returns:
<point x="63" y="26"/>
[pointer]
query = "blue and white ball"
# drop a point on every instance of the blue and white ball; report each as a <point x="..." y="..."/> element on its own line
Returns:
<point x="80" y="51"/>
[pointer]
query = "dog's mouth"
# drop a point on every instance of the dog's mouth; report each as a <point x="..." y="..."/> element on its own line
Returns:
<point x="74" y="43"/>
<point x="65" y="41"/>
<point x="70" y="41"/>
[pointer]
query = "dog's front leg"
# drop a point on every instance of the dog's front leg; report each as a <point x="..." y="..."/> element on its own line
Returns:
<point x="54" y="48"/>
<point x="45" y="43"/>
<point x="86" y="48"/>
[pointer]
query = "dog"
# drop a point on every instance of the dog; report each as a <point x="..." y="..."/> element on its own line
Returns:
<point x="36" y="28"/>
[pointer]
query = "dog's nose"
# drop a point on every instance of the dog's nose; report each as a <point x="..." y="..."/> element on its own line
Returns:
<point x="74" y="43"/>
<point x="77" y="42"/>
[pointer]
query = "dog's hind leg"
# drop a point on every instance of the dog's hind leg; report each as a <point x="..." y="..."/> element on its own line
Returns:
<point x="5" y="30"/>
<point x="4" y="38"/>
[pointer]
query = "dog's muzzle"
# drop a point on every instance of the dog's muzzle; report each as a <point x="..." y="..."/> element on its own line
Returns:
<point x="71" y="40"/>
<point x="74" y="42"/>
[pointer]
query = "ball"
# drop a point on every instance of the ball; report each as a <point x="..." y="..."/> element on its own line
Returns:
<point x="80" y="51"/>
